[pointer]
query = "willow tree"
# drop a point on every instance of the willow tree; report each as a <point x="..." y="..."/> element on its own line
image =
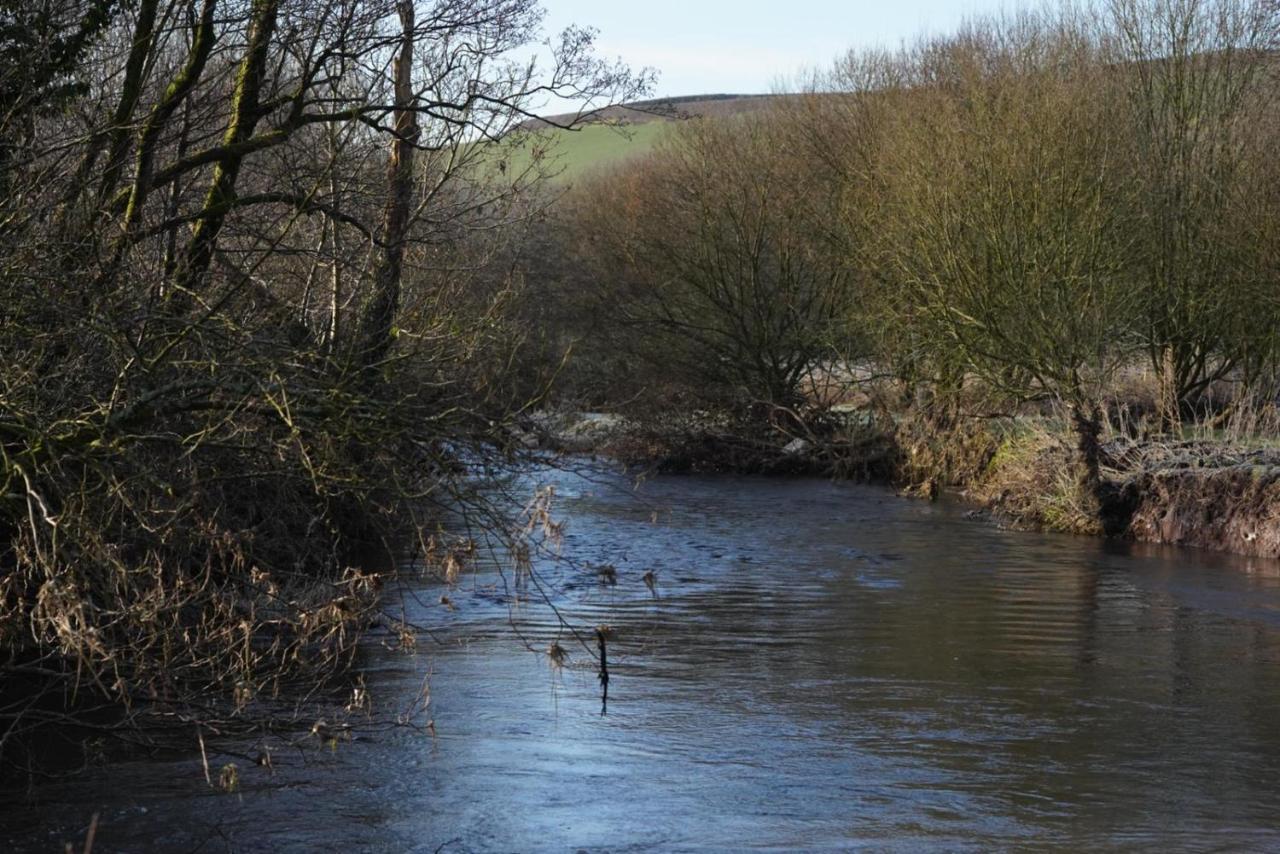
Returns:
<point x="850" y="120"/>
<point x="718" y="238"/>
<point x="1003" y="228"/>
<point x="1199" y="76"/>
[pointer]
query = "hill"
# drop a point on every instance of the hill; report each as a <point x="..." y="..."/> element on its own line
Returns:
<point x="621" y="133"/>
<point x="666" y="109"/>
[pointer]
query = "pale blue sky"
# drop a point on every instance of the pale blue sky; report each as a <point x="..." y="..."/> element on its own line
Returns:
<point x="706" y="46"/>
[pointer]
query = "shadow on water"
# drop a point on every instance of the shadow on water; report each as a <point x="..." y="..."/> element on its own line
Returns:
<point x="789" y="665"/>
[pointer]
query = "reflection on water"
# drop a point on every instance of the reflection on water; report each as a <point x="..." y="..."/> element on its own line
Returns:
<point x="823" y="667"/>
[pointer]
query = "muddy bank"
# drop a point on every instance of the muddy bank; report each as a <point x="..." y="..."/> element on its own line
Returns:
<point x="1207" y="496"/>
<point x="1234" y="509"/>
<point x="1199" y="494"/>
<point x="1020" y="470"/>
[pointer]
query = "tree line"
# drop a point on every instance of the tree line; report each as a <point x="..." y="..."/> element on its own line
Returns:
<point x="1028" y="205"/>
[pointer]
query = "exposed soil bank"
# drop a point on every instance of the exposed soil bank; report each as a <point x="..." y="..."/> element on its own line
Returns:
<point x="1234" y="509"/>
<point x="1198" y="494"/>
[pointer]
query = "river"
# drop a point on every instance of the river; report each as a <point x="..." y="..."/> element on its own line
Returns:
<point x="819" y="667"/>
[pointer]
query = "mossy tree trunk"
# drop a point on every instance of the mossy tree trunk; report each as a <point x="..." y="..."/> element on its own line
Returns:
<point x="130" y="93"/>
<point x="157" y="120"/>
<point x="114" y="139"/>
<point x="245" y="113"/>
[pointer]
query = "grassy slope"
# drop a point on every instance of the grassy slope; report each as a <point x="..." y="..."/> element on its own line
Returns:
<point x="578" y="153"/>
<point x="596" y="146"/>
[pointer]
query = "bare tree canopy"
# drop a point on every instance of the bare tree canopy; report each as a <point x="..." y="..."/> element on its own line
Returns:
<point x="253" y="306"/>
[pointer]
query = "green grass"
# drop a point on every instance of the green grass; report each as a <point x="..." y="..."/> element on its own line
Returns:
<point x="576" y="154"/>
<point x="571" y="155"/>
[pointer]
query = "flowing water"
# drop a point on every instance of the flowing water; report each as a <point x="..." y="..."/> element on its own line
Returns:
<point x="822" y="667"/>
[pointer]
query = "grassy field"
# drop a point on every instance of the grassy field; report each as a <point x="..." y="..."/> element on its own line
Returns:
<point x="576" y="154"/>
<point x="632" y="131"/>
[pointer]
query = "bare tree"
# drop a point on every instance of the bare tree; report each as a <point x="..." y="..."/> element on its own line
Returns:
<point x="1199" y="75"/>
<point x="189" y="451"/>
<point x="720" y="240"/>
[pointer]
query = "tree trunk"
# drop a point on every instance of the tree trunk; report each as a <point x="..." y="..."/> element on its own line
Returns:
<point x="378" y="323"/>
<point x="115" y="138"/>
<point x="129" y="96"/>
<point x="149" y="136"/>
<point x="1169" y="416"/>
<point x="1087" y="420"/>
<point x="245" y="112"/>
<point x="335" y="266"/>
<point x="171" y="204"/>
<point x="182" y="84"/>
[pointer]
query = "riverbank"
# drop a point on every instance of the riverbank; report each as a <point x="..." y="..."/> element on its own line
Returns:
<point x="1021" y="470"/>
<point x="1201" y="494"/>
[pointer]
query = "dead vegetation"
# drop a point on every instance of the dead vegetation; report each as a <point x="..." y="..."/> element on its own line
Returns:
<point x="255" y="331"/>
<point x="1220" y="493"/>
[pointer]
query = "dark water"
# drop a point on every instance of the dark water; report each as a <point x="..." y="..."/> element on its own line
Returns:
<point x="826" y="667"/>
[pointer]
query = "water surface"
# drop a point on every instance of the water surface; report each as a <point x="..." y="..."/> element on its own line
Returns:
<point x="823" y="667"/>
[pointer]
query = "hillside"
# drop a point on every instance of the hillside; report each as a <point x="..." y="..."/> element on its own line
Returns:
<point x="666" y="109"/>
<point x="621" y="133"/>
